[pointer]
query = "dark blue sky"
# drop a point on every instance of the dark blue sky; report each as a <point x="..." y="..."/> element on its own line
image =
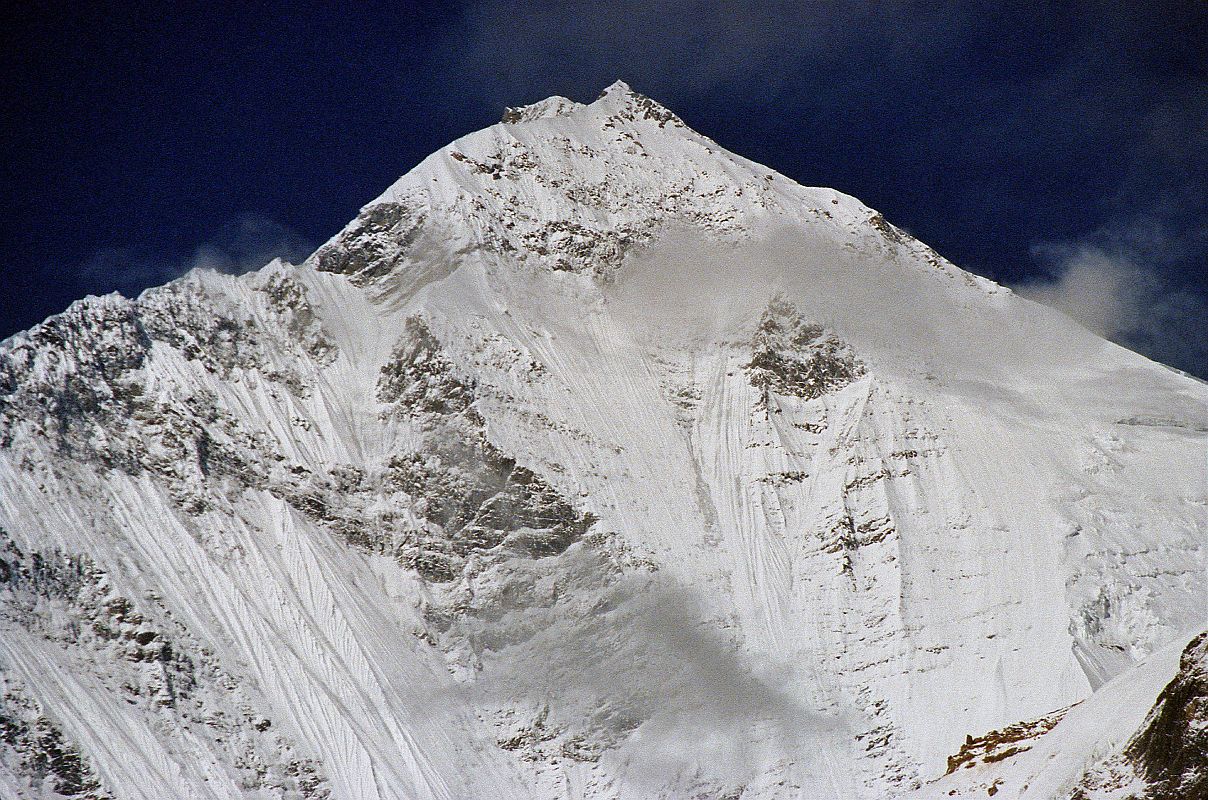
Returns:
<point x="1062" y="147"/>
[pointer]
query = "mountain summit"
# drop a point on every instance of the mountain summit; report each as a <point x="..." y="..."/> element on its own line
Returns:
<point x="574" y="188"/>
<point x="594" y="461"/>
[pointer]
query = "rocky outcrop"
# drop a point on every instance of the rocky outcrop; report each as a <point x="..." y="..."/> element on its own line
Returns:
<point x="792" y="357"/>
<point x="474" y="497"/>
<point x="381" y="238"/>
<point x="34" y="747"/>
<point x="1171" y="749"/>
<point x="1002" y="744"/>
<point x="152" y="662"/>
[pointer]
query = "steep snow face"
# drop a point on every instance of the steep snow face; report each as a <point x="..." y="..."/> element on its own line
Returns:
<point x="591" y="461"/>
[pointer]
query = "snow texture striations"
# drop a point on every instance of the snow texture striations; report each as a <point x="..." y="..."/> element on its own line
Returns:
<point x="593" y="461"/>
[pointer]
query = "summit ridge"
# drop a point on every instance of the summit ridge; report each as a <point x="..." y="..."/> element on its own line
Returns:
<point x="576" y="188"/>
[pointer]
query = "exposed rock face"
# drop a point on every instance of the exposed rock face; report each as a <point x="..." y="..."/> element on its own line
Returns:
<point x="34" y="747"/>
<point x="1001" y="745"/>
<point x="590" y="460"/>
<point x="792" y="357"/>
<point x="148" y="659"/>
<point x="379" y="240"/>
<point x="1171" y="750"/>
<point x="476" y="498"/>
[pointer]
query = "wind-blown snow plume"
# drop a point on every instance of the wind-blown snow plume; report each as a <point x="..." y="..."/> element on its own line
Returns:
<point x="246" y="244"/>
<point x="1111" y="293"/>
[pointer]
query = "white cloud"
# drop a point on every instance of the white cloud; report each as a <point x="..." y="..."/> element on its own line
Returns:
<point x="1116" y="293"/>
<point x="638" y="665"/>
<point x="1104" y="292"/>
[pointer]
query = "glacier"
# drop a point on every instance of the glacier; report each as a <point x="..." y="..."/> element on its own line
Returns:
<point x="591" y="460"/>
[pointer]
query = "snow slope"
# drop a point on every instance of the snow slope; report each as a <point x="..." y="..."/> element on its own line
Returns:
<point x="1088" y="735"/>
<point x="589" y="461"/>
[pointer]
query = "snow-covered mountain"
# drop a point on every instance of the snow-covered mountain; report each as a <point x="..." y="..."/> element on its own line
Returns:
<point x="593" y="461"/>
